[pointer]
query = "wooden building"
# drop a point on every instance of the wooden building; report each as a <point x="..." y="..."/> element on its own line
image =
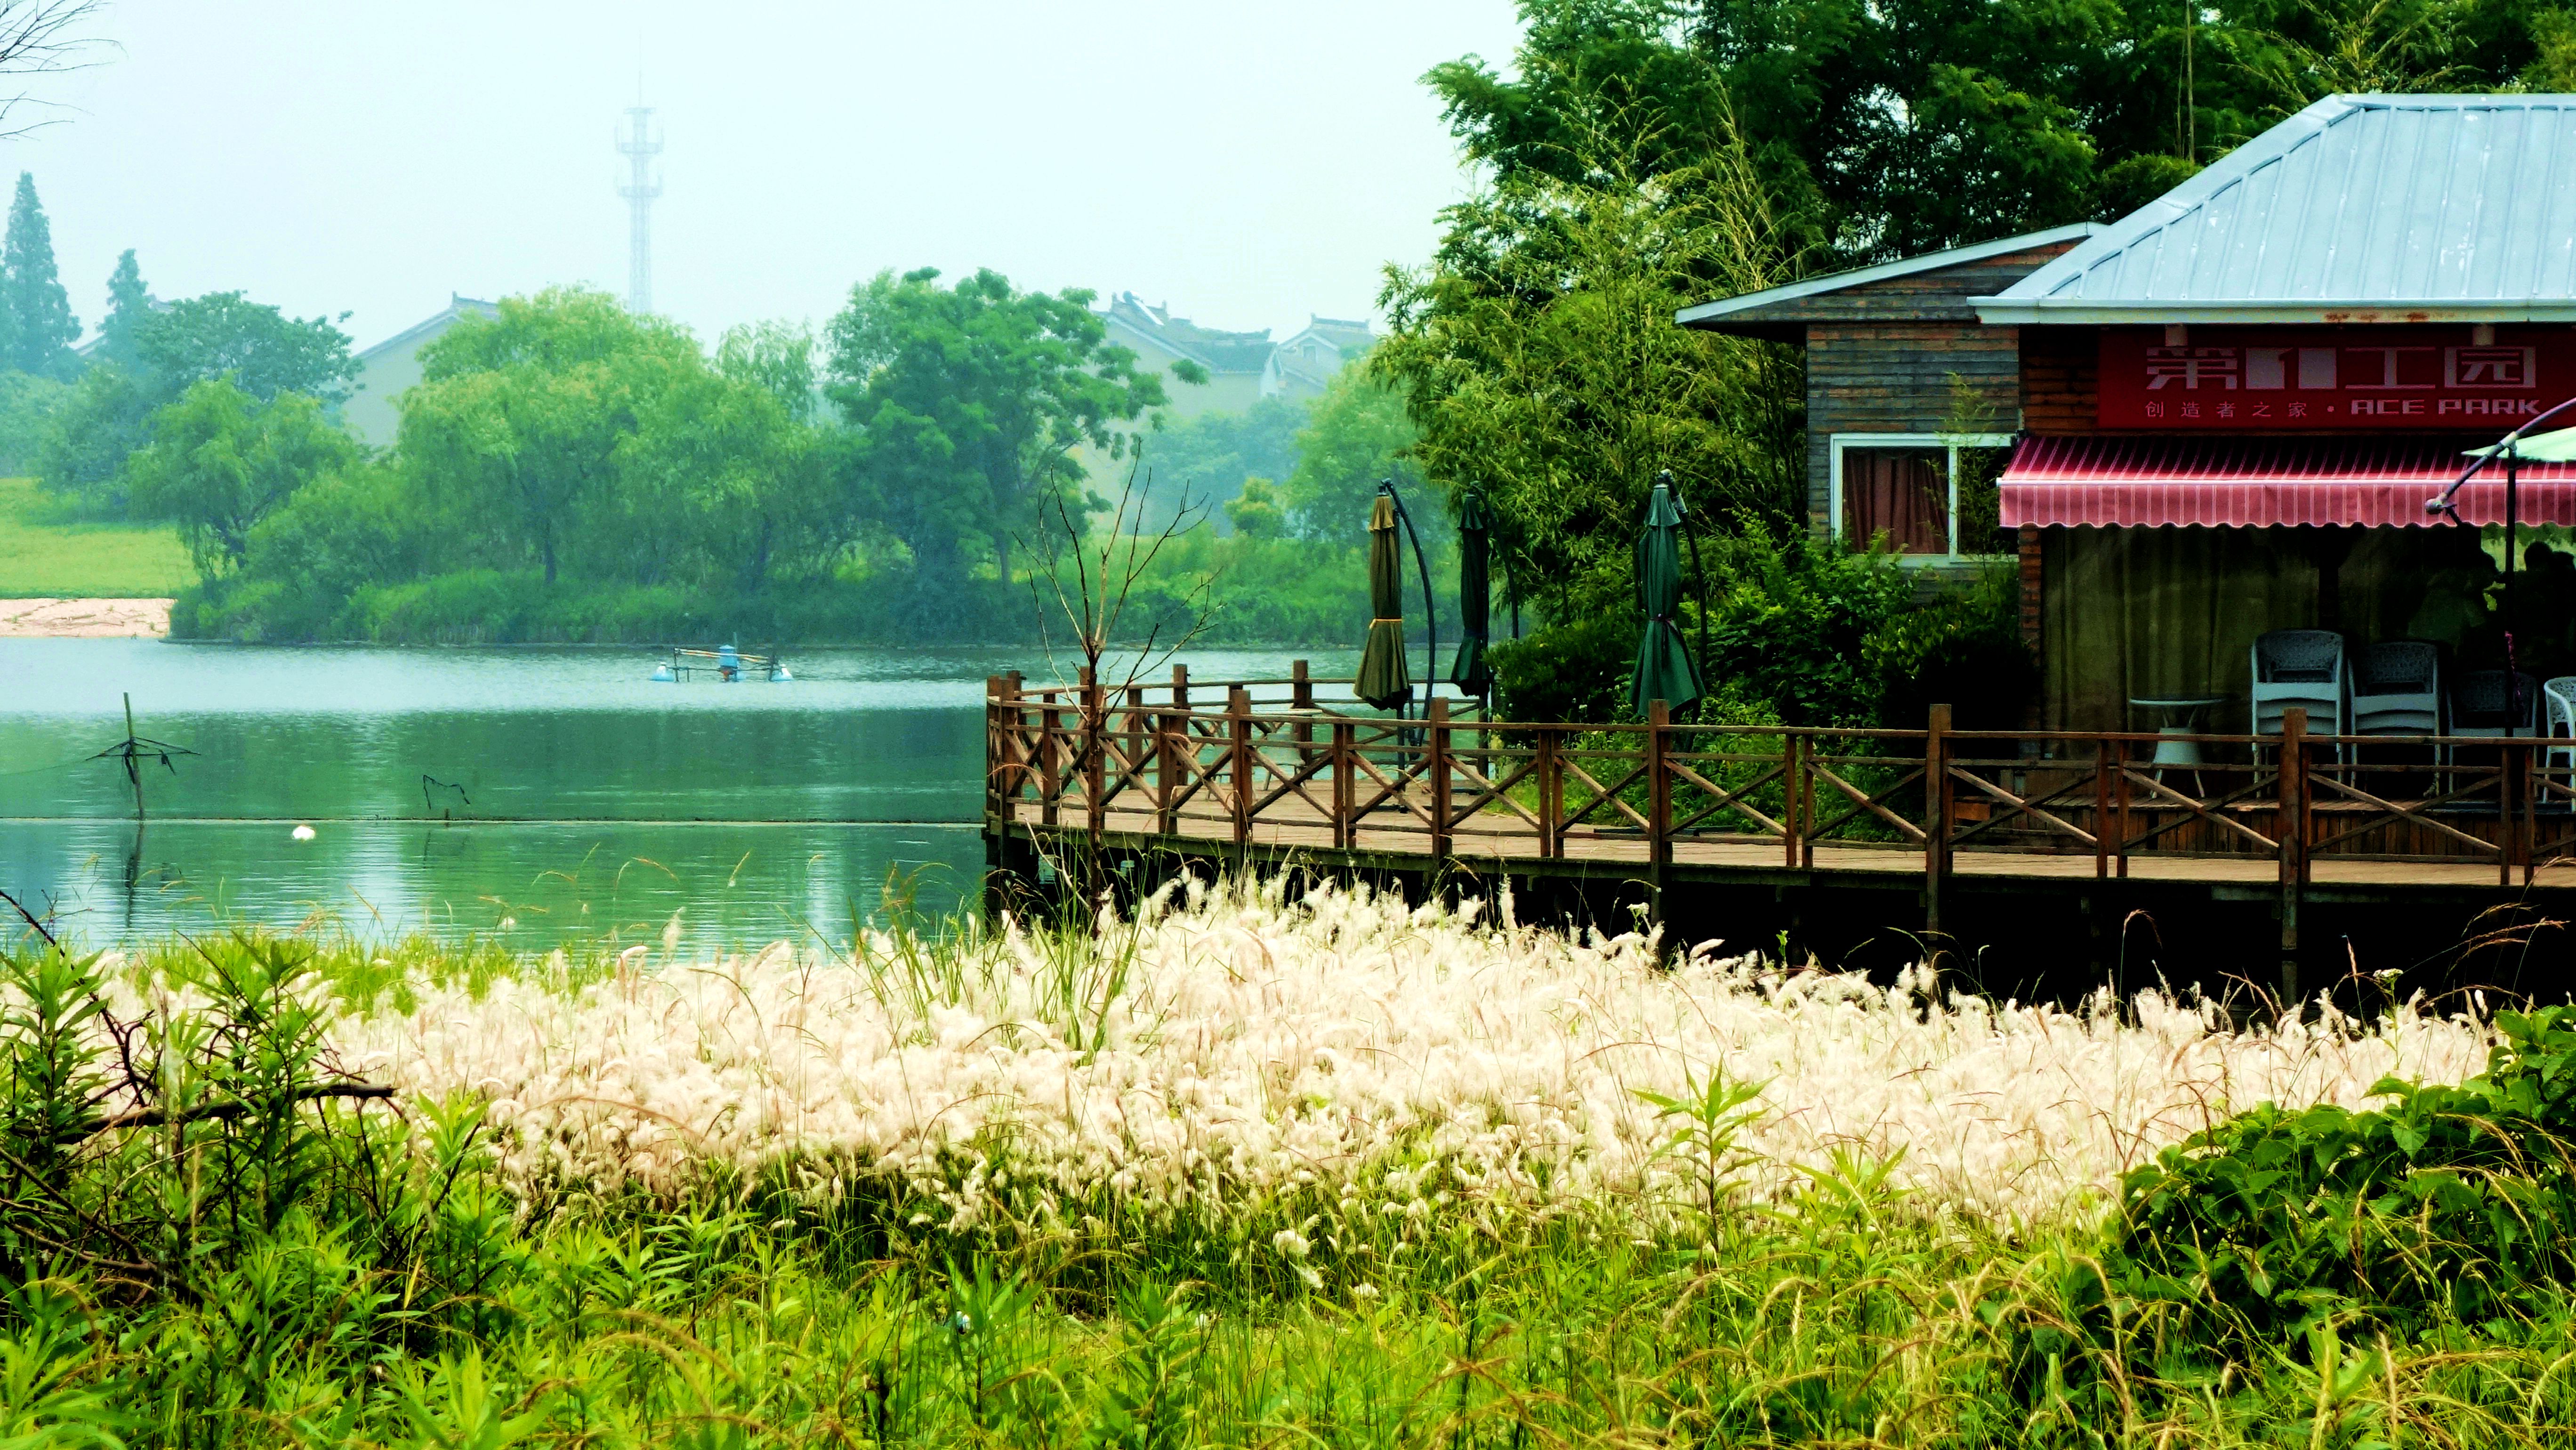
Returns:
<point x="2223" y="414"/>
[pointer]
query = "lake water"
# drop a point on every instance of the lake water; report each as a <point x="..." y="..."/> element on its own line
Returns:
<point x="546" y="795"/>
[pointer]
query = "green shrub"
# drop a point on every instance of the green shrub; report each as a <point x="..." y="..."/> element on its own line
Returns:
<point x="2443" y="1206"/>
<point x="1574" y="671"/>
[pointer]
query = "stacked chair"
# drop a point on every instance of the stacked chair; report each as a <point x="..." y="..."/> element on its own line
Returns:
<point x="2397" y="689"/>
<point x="2301" y="669"/>
<point x="2482" y="707"/>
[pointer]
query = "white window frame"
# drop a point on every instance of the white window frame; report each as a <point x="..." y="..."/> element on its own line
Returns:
<point x="1950" y="443"/>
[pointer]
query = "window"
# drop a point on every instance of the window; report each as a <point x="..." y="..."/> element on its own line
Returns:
<point x="1931" y="496"/>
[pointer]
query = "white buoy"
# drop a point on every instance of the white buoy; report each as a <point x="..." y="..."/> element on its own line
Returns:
<point x="662" y="675"/>
<point x="302" y="833"/>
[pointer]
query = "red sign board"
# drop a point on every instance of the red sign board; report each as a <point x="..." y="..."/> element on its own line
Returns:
<point x="2228" y="378"/>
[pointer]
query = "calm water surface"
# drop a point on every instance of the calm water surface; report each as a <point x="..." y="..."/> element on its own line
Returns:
<point x="547" y="795"/>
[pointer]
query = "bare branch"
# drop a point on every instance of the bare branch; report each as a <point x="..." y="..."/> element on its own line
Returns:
<point x="44" y="37"/>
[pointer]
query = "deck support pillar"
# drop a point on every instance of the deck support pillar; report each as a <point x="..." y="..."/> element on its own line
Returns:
<point x="1345" y="767"/>
<point x="2293" y="831"/>
<point x="1936" y="815"/>
<point x="1238" y="769"/>
<point x="1436" y="763"/>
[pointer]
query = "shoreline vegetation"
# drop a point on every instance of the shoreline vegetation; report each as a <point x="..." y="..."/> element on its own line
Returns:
<point x="1239" y="1167"/>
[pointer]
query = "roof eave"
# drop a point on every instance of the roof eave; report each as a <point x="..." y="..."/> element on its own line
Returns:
<point x="1706" y="312"/>
<point x="2090" y="311"/>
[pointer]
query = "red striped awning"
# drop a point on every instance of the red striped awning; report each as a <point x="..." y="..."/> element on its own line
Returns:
<point x="2258" y="482"/>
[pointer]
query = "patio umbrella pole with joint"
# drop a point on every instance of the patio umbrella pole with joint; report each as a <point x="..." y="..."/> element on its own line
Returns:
<point x="2557" y="446"/>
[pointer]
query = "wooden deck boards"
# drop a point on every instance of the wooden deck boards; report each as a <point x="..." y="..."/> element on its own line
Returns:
<point x="1512" y="844"/>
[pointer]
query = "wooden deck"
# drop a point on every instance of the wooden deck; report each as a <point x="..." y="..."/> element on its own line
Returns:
<point x="1291" y="777"/>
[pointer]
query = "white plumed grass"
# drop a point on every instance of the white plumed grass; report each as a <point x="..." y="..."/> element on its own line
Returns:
<point x="1230" y="1049"/>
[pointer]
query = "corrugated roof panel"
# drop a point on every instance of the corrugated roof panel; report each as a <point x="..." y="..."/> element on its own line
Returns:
<point x="2460" y="207"/>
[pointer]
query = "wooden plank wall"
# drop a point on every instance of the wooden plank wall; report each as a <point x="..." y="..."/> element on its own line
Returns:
<point x="1896" y="378"/>
<point x="2060" y="367"/>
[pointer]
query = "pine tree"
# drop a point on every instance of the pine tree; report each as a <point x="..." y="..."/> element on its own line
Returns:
<point x="127" y="305"/>
<point x="41" y="328"/>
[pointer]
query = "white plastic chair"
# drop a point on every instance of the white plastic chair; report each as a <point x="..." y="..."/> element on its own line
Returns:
<point x="2558" y="698"/>
<point x="2302" y="669"/>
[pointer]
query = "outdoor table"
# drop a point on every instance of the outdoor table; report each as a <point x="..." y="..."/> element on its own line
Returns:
<point x="2179" y="718"/>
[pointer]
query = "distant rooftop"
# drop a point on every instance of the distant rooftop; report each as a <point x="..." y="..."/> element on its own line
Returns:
<point x="2361" y="208"/>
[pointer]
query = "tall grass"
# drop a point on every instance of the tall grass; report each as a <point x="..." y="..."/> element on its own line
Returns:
<point x="1237" y="1169"/>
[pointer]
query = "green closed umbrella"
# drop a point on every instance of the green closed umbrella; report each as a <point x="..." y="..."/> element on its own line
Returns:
<point x="1665" y="670"/>
<point x="1469" y="673"/>
<point x="1385" y="681"/>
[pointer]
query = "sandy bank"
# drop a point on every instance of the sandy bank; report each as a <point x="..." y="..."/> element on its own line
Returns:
<point x="84" y="618"/>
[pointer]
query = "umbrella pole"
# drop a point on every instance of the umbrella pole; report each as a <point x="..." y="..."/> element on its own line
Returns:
<point x="1430" y="613"/>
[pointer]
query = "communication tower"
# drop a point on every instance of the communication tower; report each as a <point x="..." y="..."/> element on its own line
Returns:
<point x="639" y="146"/>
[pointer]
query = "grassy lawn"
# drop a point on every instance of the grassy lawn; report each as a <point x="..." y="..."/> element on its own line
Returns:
<point x="42" y="552"/>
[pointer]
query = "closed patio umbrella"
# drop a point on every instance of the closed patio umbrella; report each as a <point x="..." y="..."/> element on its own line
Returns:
<point x="1385" y="681"/>
<point x="1469" y="672"/>
<point x="1665" y="670"/>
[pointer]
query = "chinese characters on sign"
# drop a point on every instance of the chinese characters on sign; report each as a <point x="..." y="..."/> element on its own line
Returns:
<point x="2423" y="377"/>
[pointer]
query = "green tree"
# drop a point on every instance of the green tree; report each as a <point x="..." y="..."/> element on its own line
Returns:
<point x="777" y="357"/>
<point x="720" y="486"/>
<point x="264" y="351"/>
<point x="40" y="327"/>
<point x="1884" y="128"/>
<point x="516" y="425"/>
<point x="221" y="460"/>
<point x="1356" y="434"/>
<point x="970" y="400"/>
<point x="1256" y="511"/>
<point x="28" y="405"/>
<point x="81" y="459"/>
<point x="1541" y="361"/>
<point x="128" y="304"/>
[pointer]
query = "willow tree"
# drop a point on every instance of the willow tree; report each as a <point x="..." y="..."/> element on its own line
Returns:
<point x="1544" y="367"/>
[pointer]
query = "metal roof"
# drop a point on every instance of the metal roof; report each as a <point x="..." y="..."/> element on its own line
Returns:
<point x="1838" y="281"/>
<point x="2361" y="208"/>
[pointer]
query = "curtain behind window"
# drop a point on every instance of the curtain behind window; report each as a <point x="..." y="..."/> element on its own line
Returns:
<point x="1898" y="492"/>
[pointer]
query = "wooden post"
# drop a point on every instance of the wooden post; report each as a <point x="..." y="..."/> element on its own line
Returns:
<point x="1050" y="763"/>
<point x="1180" y="687"/>
<point x="1092" y="743"/>
<point x="1793" y="781"/>
<point x="1301" y="687"/>
<point x="1238" y="766"/>
<point x="1171" y="734"/>
<point x="2533" y="762"/>
<point x="2120" y="805"/>
<point x="997" y="749"/>
<point x="1936" y="814"/>
<point x="1301" y="698"/>
<point x="2102" y="767"/>
<point x="1344" y="787"/>
<point x="1436" y="763"/>
<point x="1551" y="796"/>
<point x="1659" y="797"/>
<point x="2293" y="830"/>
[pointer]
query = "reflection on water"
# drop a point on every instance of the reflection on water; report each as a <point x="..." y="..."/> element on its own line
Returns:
<point x="551" y="795"/>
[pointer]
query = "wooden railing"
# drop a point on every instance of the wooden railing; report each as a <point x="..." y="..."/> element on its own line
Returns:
<point x="1218" y="763"/>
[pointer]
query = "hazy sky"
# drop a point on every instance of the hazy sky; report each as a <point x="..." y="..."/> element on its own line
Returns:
<point x="1248" y="163"/>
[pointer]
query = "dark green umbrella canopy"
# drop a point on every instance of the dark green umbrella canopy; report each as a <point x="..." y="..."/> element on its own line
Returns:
<point x="1665" y="670"/>
<point x="1469" y="673"/>
<point x="1385" y="681"/>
